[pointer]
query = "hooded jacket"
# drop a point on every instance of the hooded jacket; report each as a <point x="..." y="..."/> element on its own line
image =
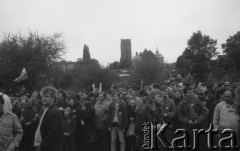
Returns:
<point x="10" y="128"/>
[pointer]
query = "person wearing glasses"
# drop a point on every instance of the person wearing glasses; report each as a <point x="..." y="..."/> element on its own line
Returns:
<point x="49" y="134"/>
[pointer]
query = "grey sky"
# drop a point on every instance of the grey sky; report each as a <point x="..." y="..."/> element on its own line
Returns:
<point x="166" y="24"/>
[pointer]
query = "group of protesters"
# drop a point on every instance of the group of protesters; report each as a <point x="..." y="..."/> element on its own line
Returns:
<point x="53" y="120"/>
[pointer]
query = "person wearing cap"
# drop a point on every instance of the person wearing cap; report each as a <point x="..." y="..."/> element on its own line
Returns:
<point x="10" y="128"/>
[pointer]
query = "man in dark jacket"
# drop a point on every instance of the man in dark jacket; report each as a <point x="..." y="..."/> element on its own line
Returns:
<point x="192" y="115"/>
<point x="117" y="121"/>
<point x="49" y="134"/>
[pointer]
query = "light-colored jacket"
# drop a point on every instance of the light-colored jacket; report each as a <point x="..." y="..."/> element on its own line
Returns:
<point x="225" y="116"/>
<point x="10" y="128"/>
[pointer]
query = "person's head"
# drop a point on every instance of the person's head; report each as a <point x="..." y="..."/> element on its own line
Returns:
<point x="227" y="85"/>
<point x="132" y="103"/>
<point x="178" y="94"/>
<point x="220" y="93"/>
<point x="156" y="97"/>
<point x="84" y="95"/>
<point x="188" y="91"/>
<point x="35" y="94"/>
<point x="116" y="96"/>
<point x="228" y="97"/>
<point x="67" y="111"/>
<point x="164" y="90"/>
<point x="101" y="96"/>
<point x="147" y="89"/>
<point x="92" y="97"/>
<point x="71" y="101"/>
<point x="30" y="101"/>
<point x="49" y="95"/>
<point x="155" y="86"/>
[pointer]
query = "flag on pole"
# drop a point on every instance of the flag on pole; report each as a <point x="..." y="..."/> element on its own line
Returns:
<point x="142" y="84"/>
<point x="112" y="87"/>
<point x="93" y="86"/>
<point x="100" y="87"/>
<point x="22" y="77"/>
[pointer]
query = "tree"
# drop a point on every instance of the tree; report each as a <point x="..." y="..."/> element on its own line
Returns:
<point x="88" y="72"/>
<point x="114" y="66"/>
<point x="232" y="50"/>
<point x="86" y="53"/>
<point x="37" y="53"/>
<point x="148" y="68"/>
<point x="197" y="56"/>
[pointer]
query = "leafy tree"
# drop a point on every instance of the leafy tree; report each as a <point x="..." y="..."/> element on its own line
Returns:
<point x="232" y="50"/>
<point x="88" y="72"/>
<point x="114" y="66"/>
<point x="37" y="53"/>
<point x="197" y="56"/>
<point x="86" y="53"/>
<point x="148" y="68"/>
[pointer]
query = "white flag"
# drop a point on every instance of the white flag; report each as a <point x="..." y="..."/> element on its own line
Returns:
<point x="22" y="77"/>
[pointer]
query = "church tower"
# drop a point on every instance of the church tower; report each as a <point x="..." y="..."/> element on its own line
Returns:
<point x="126" y="53"/>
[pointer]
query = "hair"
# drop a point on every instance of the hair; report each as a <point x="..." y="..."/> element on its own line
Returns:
<point x="49" y="90"/>
<point x="187" y="88"/>
<point x="219" y="92"/>
<point x="143" y="93"/>
<point x="117" y="93"/>
<point x="164" y="87"/>
<point x="1" y="99"/>
<point x="153" y="93"/>
<point x="109" y="92"/>
<point x="156" y="86"/>
<point x="147" y="88"/>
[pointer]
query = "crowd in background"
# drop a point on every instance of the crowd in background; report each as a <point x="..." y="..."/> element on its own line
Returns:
<point x="113" y="119"/>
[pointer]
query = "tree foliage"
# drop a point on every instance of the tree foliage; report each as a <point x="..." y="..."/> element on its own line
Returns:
<point x="149" y="68"/>
<point x="37" y="53"/>
<point x="197" y="56"/>
<point x="114" y="66"/>
<point x="88" y="72"/>
<point x="232" y="50"/>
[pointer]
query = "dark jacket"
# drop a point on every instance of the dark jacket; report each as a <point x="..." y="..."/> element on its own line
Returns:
<point x="122" y="115"/>
<point x="185" y="112"/>
<point x="146" y="114"/>
<point x="52" y="130"/>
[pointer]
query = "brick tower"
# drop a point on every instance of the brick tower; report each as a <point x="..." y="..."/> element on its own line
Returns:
<point x="126" y="53"/>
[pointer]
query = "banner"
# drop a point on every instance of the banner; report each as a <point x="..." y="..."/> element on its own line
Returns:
<point x="22" y="77"/>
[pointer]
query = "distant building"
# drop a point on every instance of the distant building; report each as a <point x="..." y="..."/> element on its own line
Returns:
<point x="66" y="66"/>
<point x="126" y="53"/>
<point x="160" y="57"/>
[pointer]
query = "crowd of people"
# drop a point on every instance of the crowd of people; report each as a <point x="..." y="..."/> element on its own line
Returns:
<point x="53" y="120"/>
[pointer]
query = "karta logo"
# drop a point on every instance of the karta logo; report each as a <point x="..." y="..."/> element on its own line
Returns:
<point x="155" y="133"/>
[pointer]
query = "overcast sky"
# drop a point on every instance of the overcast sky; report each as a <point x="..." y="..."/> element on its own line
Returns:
<point x="101" y="24"/>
